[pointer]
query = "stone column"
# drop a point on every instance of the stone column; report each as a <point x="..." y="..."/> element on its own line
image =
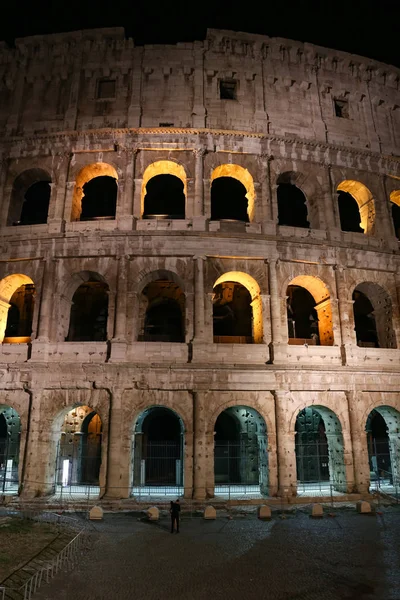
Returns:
<point x="359" y="443"/>
<point x="199" y="314"/>
<point x="120" y="312"/>
<point x="124" y="212"/>
<point x="200" y="453"/>
<point x="69" y="194"/>
<point x="41" y="452"/>
<point x="119" y="450"/>
<point x="333" y="196"/>
<point x="47" y="300"/>
<point x="285" y="443"/>
<point x="137" y="192"/>
<point x="198" y="209"/>
<point x="275" y="305"/>
<point x="345" y="307"/>
<point x="263" y="200"/>
<point x="386" y="214"/>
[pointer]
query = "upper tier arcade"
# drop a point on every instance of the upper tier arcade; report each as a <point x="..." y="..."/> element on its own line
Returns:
<point x="231" y="81"/>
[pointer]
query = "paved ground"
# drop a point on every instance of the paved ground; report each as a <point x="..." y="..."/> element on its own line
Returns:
<point x="350" y="557"/>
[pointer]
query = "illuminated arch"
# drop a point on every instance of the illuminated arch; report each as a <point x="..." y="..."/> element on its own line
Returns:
<point x="395" y="202"/>
<point x="162" y="167"/>
<point x="22" y="185"/>
<point x="8" y="286"/>
<point x="365" y="202"/>
<point x="256" y="302"/>
<point x="319" y="291"/>
<point x="85" y="175"/>
<point x="245" y="178"/>
<point x="395" y="197"/>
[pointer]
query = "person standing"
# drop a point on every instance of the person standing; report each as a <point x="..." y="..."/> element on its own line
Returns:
<point x="175" y="510"/>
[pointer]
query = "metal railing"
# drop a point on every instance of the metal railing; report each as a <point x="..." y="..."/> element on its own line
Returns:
<point x="386" y="485"/>
<point x="66" y="558"/>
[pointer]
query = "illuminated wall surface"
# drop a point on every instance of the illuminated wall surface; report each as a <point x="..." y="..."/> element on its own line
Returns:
<point x="199" y="275"/>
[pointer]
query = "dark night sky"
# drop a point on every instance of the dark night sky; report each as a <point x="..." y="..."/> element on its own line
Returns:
<point x="367" y="27"/>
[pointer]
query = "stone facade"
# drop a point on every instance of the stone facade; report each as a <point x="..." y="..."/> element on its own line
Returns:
<point x="264" y="112"/>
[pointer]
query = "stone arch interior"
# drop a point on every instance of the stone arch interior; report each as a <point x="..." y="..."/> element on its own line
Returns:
<point x="79" y="449"/>
<point x="319" y="451"/>
<point x="20" y="315"/>
<point x="240" y="451"/>
<point x="301" y="316"/>
<point x="164" y="320"/>
<point x="165" y="198"/>
<point x="356" y="207"/>
<point x="89" y="312"/>
<point x="158" y="450"/>
<point x="395" y="203"/>
<point x="99" y="199"/>
<point x="372" y="310"/>
<point x="228" y="200"/>
<point x="292" y="206"/>
<point x="232" y="314"/>
<point x="95" y="193"/>
<point x="10" y="432"/>
<point x="30" y="198"/>
<point x="396" y="219"/>
<point x="383" y="440"/>
<point x="349" y="213"/>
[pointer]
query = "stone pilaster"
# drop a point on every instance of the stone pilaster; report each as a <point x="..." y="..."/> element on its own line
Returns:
<point x="119" y="450"/>
<point x="359" y="444"/>
<point x="285" y="444"/>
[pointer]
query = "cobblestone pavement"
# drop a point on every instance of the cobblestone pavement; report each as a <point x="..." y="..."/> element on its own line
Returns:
<point x="349" y="557"/>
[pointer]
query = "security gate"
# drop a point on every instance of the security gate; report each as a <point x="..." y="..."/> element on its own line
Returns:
<point x="236" y="462"/>
<point x="9" y="454"/>
<point x="78" y="459"/>
<point x="157" y="463"/>
<point x="379" y="459"/>
<point x="312" y="461"/>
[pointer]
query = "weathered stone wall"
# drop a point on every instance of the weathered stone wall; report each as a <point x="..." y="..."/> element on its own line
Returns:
<point x="282" y="127"/>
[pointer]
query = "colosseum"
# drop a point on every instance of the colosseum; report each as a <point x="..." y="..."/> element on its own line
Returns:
<point x="200" y="270"/>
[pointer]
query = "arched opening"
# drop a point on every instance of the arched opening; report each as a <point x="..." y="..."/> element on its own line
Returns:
<point x="99" y="199"/>
<point x="79" y="452"/>
<point x="165" y="198"/>
<point x="95" y="193"/>
<point x="301" y="316"/>
<point x="10" y="433"/>
<point x="89" y="313"/>
<point x="292" y="206"/>
<point x="17" y="300"/>
<point x="30" y="198"/>
<point x="164" y="191"/>
<point x="232" y="314"/>
<point x="232" y="193"/>
<point x="164" y="319"/>
<point x="237" y="310"/>
<point x="319" y="452"/>
<point x="383" y="439"/>
<point x="372" y="310"/>
<point x="158" y="453"/>
<point x="309" y="312"/>
<point x="228" y="200"/>
<point x="395" y="202"/>
<point x="20" y="315"/>
<point x="240" y="452"/>
<point x="356" y="207"/>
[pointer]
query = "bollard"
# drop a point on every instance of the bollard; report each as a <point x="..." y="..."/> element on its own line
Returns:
<point x="317" y="511"/>
<point x="153" y="514"/>
<point x="264" y="512"/>
<point x="363" y="507"/>
<point x="210" y="513"/>
<point x="96" y="513"/>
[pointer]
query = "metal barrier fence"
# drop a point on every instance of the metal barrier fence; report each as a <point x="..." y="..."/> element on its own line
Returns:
<point x="66" y="558"/>
<point x="386" y="485"/>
